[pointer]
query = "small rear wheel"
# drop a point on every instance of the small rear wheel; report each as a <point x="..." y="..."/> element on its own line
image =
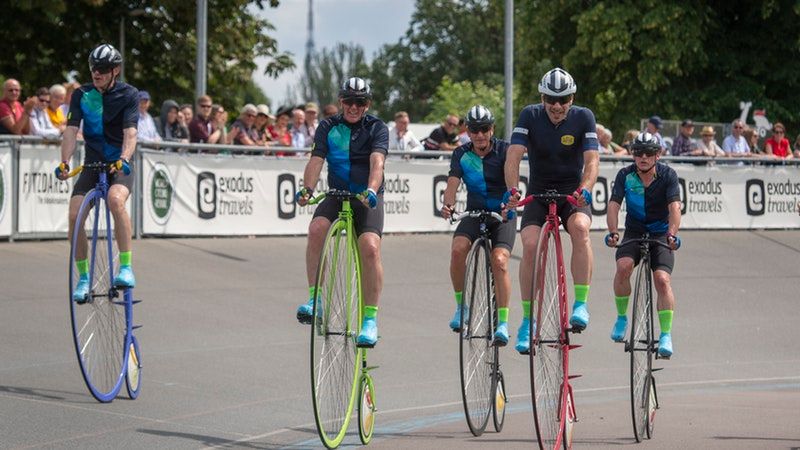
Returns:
<point x="133" y="381"/>
<point x="366" y="409"/>
<point x="500" y="402"/>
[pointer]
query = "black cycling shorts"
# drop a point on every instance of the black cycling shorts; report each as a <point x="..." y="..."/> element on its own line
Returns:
<point x="501" y="234"/>
<point x="88" y="179"/>
<point x="660" y="258"/>
<point x="535" y="212"/>
<point x="364" y="218"/>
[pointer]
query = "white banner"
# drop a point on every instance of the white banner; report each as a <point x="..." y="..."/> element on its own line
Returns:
<point x="5" y="190"/>
<point x="43" y="198"/>
<point x="191" y="195"/>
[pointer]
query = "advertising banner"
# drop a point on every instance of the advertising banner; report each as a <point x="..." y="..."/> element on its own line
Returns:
<point x="43" y="198"/>
<point x="190" y="195"/>
<point x="6" y="217"/>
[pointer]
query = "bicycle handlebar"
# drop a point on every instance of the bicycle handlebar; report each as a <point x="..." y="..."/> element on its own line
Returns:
<point x="642" y="241"/>
<point x="336" y="194"/>
<point x="548" y="197"/>
<point x="94" y="166"/>
<point x="455" y="217"/>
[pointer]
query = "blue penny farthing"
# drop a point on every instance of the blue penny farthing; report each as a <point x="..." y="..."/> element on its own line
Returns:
<point x="101" y="321"/>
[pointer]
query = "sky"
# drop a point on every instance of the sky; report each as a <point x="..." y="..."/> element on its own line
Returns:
<point x="370" y="23"/>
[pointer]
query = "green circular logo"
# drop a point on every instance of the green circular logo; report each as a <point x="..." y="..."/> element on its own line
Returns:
<point x="161" y="192"/>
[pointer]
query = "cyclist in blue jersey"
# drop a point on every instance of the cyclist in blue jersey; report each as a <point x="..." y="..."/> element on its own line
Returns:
<point x="654" y="207"/>
<point x="480" y="164"/>
<point x="355" y="145"/>
<point x="109" y="110"/>
<point x="561" y="142"/>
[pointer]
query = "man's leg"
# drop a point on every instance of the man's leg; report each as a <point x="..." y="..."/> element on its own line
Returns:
<point x="81" y="289"/>
<point x="581" y="267"/>
<point x="502" y="286"/>
<point x="666" y="305"/>
<point x="369" y="245"/>
<point x="622" y="292"/>
<point x="458" y="261"/>
<point x="117" y="196"/>
<point x="317" y="230"/>
<point x="530" y="240"/>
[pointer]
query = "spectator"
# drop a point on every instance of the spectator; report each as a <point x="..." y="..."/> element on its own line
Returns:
<point x="683" y="144"/>
<point x="444" y="137"/>
<point x="243" y="129"/>
<point x="630" y="135"/>
<point x="280" y="131"/>
<point x="311" y="111"/>
<point x="751" y="137"/>
<point x="201" y="129"/>
<point x="39" y="119"/>
<point x="299" y="136"/>
<point x="463" y="137"/>
<point x="797" y="147"/>
<point x="147" y="127"/>
<point x="188" y="113"/>
<point x="170" y="127"/>
<point x="263" y="121"/>
<point x="652" y="127"/>
<point x="735" y="144"/>
<point x="400" y="137"/>
<point x="330" y="110"/>
<point x="57" y="116"/>
<point x="219" y="121"/>
<point x="777" y="146"/>
<point x="14" y="116"/>
<point x="708" y="145"/>
<point x="606" y="145"/>
<point x="70" y="87"/>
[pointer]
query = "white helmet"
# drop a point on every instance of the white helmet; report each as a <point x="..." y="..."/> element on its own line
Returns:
<point x="557" y="83"/>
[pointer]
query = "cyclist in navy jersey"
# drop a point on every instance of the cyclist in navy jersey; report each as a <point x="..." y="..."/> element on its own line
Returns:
<point x="561" y="142"/>
<point x="355" y="145"/>
<point x="480" y="164"/>
<point x="109" y="110"/>
<point x="653" y="196"/>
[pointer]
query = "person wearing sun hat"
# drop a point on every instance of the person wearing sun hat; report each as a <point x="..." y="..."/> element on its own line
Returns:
<point x="707" y="145"/>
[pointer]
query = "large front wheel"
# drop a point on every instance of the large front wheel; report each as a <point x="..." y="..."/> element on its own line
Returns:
<point x="335" y="325"/>
<point x="641" y="346"/>
<point x="547" y="356"/>
<point x="99" y="329"/>
<point x="475" y="340"/>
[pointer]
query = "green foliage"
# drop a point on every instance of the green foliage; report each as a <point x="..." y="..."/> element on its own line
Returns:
<point x="329" y="68"/>
<point x="160" y="44"/>
<point x="457" y="97"/>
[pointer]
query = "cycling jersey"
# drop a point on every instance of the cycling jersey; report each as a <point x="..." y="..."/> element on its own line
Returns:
<point x="555" y="152"/>
<point x="648" y="207"/>
<point x="484" y="177"/>
<point x="104" y="117"/>
<point x="347" y="149"/>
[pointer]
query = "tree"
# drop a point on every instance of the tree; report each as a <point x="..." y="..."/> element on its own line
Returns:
<point x="160" y="44"/>
<point x="457" y="97"/>
<point x="329" y="68"/>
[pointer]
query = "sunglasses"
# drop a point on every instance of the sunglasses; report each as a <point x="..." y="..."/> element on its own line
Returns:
<point x="641" y="152"/>
<point x="479" y="128"/>
<point x="102" y="70"/>
<point x="778" y="132"/>
<point x="205" y="106"/>
<point x="738" y="127"/>
<point x="560" y="100"/>
<point x="360" y="102"/>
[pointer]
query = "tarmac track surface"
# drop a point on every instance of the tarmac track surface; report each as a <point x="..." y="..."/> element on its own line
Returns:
<point x="225" y="363"/>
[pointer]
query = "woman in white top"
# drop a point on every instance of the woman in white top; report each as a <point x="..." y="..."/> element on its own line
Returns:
<point x="708" y="145"/>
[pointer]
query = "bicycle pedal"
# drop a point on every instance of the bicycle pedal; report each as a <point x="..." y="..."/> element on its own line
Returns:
<point x="574" y="346"/>
<point x="365" y="345"/>
<point x="577" y="329"/>
<point x="136" y="301"/>
<point x="499" y="343"/>
<point x="136" y="327"/>
<point x="368" y="368"/>
<point x="657" y="369"/>
<point x="574" y="376"/>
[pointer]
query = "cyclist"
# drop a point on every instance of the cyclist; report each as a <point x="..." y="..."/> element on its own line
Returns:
<point x="654" y="206"/>
<point x="355" y="145"/>
<point x="480" y="164"/>
<point x="109" y="110"/>
<point x="562" y="147"/>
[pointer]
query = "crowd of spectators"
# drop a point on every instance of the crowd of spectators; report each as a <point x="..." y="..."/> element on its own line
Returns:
<point x="44" y="114"/>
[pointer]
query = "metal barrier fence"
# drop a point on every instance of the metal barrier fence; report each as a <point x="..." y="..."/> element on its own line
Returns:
<point x="203" y="189"/>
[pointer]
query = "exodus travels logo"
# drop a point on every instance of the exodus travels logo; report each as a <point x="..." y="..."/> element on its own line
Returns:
<point x="701" y="196"/>
<point x="287" y="190"/>
<point x="600" y="197"/>
<point x="780" y="197"/>
<point x="395" y="200"/>
<point x="161" y="194"/>
<point x="440" y="185"/>
<point x="224" y="195"/>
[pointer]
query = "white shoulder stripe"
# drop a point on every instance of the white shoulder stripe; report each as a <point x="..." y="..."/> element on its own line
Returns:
<point x="520" y="130"/>
<point x="590" y="135"/>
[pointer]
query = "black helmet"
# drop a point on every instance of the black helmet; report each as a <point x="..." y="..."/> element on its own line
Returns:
<point x="355" y="88"/>
<point x="103" y="57"/>
<point x="645" y="141"/>
<point x="479" y="115"/>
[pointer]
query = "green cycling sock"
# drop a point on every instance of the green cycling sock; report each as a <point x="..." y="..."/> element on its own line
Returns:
<point x="526" y="309"/>
<point x="622" y="304"/>
<point x="125" y="259"/>
<point x="581" y="293"/>
<point x="311" y="292"/>
<point x="459" y="297"/>
<point x="502" y="314"/>
<point x="370" y="312"/>
<point x="665" y="320"/>
<point x="83" y="266"/>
